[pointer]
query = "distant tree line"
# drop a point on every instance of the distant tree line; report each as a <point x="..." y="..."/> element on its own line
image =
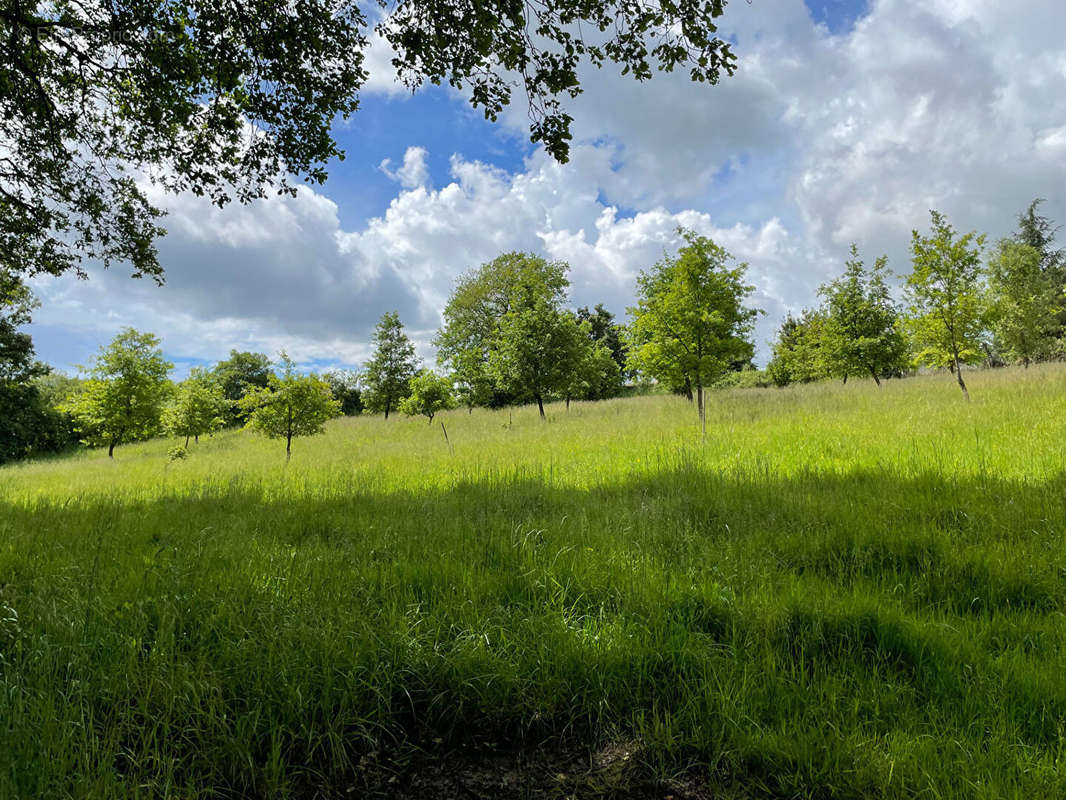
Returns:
<point x="509" y="335"/>
<point x="958" y="309"/>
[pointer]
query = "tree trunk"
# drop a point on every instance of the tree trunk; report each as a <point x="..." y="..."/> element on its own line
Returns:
<point x="388" y="402"/>
<point x="430" y="419"/>
<point x="702" y="406"/>
<point x="186" y="442"/>
<point x="288" y="447"/>
<point x="196" y="439"/>
<point x="958" y="376"/>
<point x="877" y="380"/>
<point x="540" y="405"/>
<point x="688" y="389"/>
<point x="568" y="403"/>
<point x="845" y="379"/>
<point x="111" y="448"/>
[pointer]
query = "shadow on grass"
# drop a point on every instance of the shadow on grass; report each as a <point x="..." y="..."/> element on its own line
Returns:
<point x="238" y="642"/>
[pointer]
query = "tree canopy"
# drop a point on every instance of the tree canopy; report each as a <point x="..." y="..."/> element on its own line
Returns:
<point x="944" y="290"/>
<point x="198" y="406"/>
<point x="226" y="100"/>
<point x="430" y="393"/>
<point x="387" y="375"/>
<point x="861" y="332"/>
<point x="291" y="405"/>
<point x="123" y="398"/>
<point x="691" y="323"/>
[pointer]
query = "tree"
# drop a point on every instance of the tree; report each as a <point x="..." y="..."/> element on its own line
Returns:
<point x="224" y="99"/>
<point x="861" y="332"/>
<point x="123" y="399"/>
<point x="604" y="329"/>
<point x="388" y="373"/>
<point x="537" y="350"/>
<point x="480" y="301"/>
<point x="430" y="393"/>
<point x="1038" y="232"/>
<point x="344" y="384"/>
<point x="690" y="322"/>
<point x="798" y="355"/>
<point x="944" y="292"/>
<point x="238" y="375"/>
<point x="291" y="405"/>
<point x="198" y="407"/>
<point x="595" y="374"/>
<point x="25" y="421"/>
<point x="1022" y="302"/>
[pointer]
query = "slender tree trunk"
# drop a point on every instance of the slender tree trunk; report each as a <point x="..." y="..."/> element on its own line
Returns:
<point x="430" y="419"/>
<point x="873" y="372"/>
<point x="845" y="378"/>
<point x="388" y="402"/>
<point x="958" y="376"/>
<point x="540" y="405"/>
<point x="196" y="439"/>
<point x="688" y="389"/>
<point x="702" y="406"/>
<point x="186" y="442"/>
<point x="568" y="402"/>
<point x="288" y="446"/>
<point x="111" y="448"/>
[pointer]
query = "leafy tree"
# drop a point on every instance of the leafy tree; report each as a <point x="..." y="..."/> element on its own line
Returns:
<point x="596" y="375"/>
<point x="691" y="323"/>
<point x="388" y="373"/>
<point x="472" y="317"/>
<point x="430" y="393"/>
<point x="1022" y="302"/>
<point x="944" y="292"/>
<point x="224" y="99"/>
<point x="239" y="374"/>
<point x="537" y="350"/>
<point x="861" y="331"/>
<point x="291" y="405"/>
<point x="198" y="407"/>
<point x="604" y="329"/>
<point x="123" y="399"/>
<point x="798" y="355"/>
<point x="1038" y="232"/>
<point x="344" y="384"/>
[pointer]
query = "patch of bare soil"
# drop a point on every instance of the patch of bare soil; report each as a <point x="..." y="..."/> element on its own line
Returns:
<point x="616" y="772"/>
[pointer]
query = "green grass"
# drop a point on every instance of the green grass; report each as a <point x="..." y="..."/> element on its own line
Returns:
<point x="841" y="592"/>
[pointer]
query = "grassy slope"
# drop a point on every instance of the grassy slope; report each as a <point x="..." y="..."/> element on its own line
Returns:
<point x="840" y="593"/>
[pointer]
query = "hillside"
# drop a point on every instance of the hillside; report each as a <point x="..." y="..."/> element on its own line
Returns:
<point x="839" y="592"/>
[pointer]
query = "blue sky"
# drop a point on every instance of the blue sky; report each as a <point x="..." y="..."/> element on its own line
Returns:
<point x="846" y="121"/>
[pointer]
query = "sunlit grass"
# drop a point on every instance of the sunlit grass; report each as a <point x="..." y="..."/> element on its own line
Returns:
<point x="839" y="592"/>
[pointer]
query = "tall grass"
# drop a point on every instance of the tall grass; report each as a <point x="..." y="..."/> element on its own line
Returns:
<point x="839" y="592"/>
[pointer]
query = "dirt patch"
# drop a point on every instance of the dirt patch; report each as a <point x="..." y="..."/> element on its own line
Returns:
<point x="616" y="772"/>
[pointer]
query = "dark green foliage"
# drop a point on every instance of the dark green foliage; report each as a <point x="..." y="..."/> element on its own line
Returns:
<point x="479" y="303"/>
<point x="1038" y="232"/>
<point x="798" y="356"/>
<point x="94" y="93"/>
<point x="240" y="373"/>
<point x="387" y="375"/>
<point x="603" y="329"/>
<point x="345" y="387"/>
<point x="29" y="425"/>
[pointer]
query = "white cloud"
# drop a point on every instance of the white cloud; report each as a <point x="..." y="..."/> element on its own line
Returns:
<point x="819" y="140"/>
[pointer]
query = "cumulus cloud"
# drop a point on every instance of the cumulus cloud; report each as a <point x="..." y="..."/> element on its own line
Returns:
<point x="820" y="139"/>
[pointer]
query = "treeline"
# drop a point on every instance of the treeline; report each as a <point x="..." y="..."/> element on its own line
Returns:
<point x="958" y="309"/>
<point x="510" y="336"/>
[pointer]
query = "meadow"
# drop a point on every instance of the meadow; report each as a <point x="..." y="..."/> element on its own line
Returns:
<point x="840" y="592"/>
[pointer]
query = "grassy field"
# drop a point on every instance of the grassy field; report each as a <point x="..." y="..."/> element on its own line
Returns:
<point x="840" y="592"/>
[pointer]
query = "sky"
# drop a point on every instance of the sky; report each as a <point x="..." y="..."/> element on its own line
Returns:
<point x="847" y="121"/>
